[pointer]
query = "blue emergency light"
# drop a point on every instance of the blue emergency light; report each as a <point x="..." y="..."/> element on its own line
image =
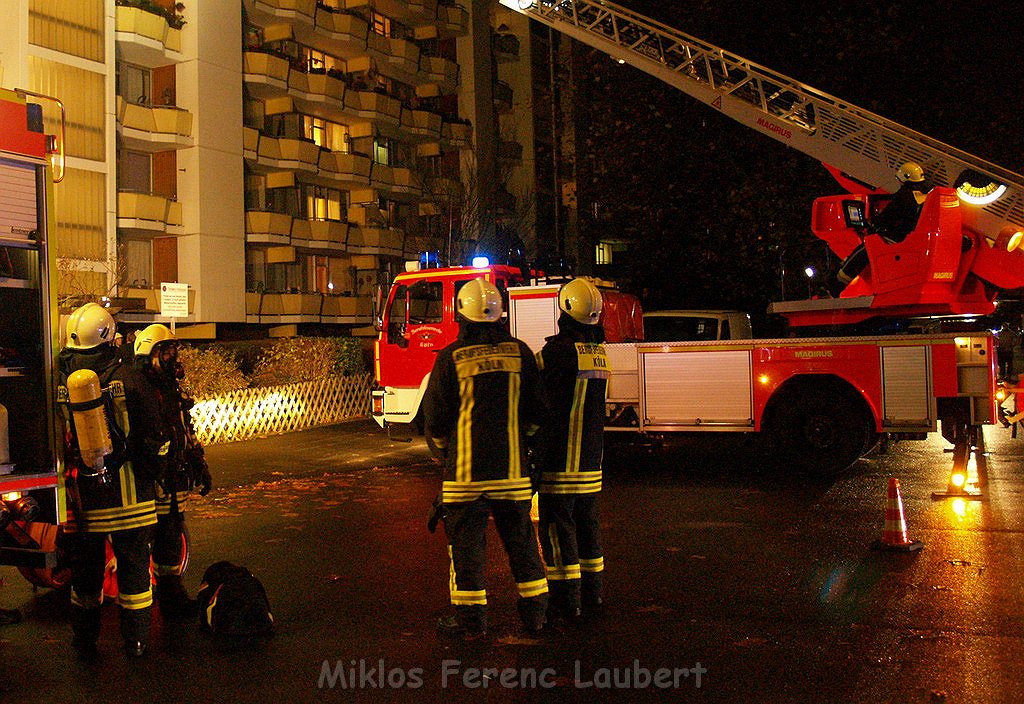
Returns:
<point x="481" y="262"/>
<point x="430" y="260"/>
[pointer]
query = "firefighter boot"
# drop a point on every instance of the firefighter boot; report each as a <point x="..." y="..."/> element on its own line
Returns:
<point x="175" y="603"/>
<point x="532" y="611"/>
<point x="470" y="622"/>
<point x="592" y="588"/>
<point x="85" y="624"/>
<point x="564" y="603"/>
<point x="135" y="631"/>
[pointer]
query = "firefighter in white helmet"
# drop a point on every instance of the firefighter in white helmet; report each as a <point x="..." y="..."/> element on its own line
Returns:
<point x="574" y="371"/>
<point x="111" y="492"/>
<point x="156" y="357"/>
<point x="482" y="401"/>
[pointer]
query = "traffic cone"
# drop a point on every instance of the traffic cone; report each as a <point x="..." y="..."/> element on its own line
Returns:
<point x="894" y="536"/>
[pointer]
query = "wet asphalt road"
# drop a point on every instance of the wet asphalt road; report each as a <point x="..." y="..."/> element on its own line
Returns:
<point x="767" y="582"/>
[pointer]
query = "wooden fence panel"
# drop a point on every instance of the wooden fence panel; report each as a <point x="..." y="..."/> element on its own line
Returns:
<point x="272" y="410"/>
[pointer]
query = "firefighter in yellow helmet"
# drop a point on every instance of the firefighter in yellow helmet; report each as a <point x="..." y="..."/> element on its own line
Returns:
<point x="156" y="357"/>
<point x="482" y="401"/>
<point x="110" y="483"/>
<point x="896" y="221"/>
<point x="574" y="371"/>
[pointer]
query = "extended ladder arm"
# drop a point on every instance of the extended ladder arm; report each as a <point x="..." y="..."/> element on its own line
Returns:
<point x="859" y="143"/>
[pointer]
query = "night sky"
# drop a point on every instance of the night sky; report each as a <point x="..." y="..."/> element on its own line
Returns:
<point x="718" y="206"/>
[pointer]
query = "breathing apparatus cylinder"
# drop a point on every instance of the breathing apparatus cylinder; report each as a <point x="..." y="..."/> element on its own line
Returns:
<point x="5" y="446"/>
<point x="90" y="419"/>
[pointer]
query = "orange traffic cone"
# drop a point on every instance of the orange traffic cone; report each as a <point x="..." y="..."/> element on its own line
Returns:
<point x="895" y="537"/>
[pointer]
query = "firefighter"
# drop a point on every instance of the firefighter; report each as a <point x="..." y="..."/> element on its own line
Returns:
<point x="895" y="222"/>
<point x="156" y="357"/>
<point x="482" y="401"/>
<point x="111" y="488"/>
<point x="574" y="371"/>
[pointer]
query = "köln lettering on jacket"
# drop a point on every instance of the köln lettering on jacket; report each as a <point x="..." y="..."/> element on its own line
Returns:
<point x="592" y="360"/>
<point x="483" y="359"/>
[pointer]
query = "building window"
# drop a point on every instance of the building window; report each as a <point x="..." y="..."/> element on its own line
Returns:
<point x="603" y="253"/>
<point x="326" y="134"/>
<point x="382" y="151"/>
<point x="380" y="25"/>
<point x="324" y="203"/>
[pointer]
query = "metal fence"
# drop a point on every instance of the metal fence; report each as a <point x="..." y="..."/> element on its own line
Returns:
<point x="272" y="410"/>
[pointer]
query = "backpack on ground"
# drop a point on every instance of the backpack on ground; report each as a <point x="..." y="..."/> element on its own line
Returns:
<point x="233" y="602"/>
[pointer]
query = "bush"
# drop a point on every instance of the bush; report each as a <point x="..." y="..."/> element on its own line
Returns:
<point x="210" y="372"/>
<point x="295" y="359"/>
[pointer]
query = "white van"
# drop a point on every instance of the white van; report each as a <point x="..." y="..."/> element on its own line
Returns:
<point x="696" y="325"/>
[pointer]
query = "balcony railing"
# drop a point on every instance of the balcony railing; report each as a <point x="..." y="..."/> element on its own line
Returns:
<point x="148" y="214"/>
<point x="453" y="20"/>
<point x="421" y="123"/>
<point x="340" y="33"/>
<point x="458" y="134"/>
<point x="146" y="38"/>
<point x="266" y="74"/>
<point x="510" y="151"/>
<point x="153" y="128"/>
<point x="266" y="227"/>
<point x="317" y="93"/>
<point x="502" y="96"/>
<point x="506" y="47"/>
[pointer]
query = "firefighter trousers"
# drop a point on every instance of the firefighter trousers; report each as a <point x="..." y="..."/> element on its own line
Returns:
<point x="135" y="591"/>
<point x="169" y="544"/>
<point x="570" y="538"/>
<point x="466" y="526"/>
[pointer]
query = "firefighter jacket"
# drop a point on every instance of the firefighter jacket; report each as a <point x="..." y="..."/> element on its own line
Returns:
<point x="482" y="402"/>
<point x="127" y="500"/>
<point x="574" y="371"/>
<point x="176" y="481"/>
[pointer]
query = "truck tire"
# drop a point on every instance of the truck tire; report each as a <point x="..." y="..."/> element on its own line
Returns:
<point x="816" y="433"/>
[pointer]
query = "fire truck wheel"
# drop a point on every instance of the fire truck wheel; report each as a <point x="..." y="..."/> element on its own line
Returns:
<point x="816" y="433"/>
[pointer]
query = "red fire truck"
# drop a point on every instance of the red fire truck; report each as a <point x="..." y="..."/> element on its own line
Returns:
<point x="819" y="402"/>
<point x="32" y="502"/>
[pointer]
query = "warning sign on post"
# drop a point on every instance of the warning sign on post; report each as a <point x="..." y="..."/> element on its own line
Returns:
<point x="174" y="300"/>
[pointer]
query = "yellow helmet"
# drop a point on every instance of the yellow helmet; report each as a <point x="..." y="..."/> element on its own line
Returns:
<point x="910" y="171"/>
<point x="150" y="337"/>
<point x="90" y="326"/>
<point x="582" y="301"/>
<point x="479" y="301"/>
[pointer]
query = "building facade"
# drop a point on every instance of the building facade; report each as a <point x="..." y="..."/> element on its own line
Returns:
<point x="283" y="158"/>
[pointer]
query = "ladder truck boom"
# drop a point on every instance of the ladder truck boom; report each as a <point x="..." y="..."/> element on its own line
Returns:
<point x="862" y="147"/>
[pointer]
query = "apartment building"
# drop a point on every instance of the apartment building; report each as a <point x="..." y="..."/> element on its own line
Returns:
<point x="281" y="157"/>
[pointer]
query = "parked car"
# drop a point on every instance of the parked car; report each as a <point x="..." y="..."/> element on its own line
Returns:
<point x="696" y="325"/>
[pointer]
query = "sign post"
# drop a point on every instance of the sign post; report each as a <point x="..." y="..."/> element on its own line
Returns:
<point x="173" y="301"/>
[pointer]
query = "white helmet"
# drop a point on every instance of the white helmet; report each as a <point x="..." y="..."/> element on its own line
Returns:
<point x="581" y="300"/>
<point x="150" y="337"/>
<point x="479" y="301"/>
<point x="90" y="326"/>
<point x="910" y="171"/>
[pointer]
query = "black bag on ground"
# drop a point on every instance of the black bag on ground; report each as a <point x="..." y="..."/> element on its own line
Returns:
<point x="233" y="602"/>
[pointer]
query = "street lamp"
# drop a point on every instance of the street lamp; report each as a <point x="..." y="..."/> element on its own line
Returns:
<point x="810" y="272"/>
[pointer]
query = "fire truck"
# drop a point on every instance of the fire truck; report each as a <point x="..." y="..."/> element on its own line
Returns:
<point x="820" y="399"/>
<point x="32" y="504"/>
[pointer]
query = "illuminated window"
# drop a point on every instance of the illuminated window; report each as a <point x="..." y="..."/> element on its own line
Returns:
<point x="603" y="253"/>
<point x="323" y="203"/>
<point x="381" y="25"/>
<point x="382" y="151"/>
<point x="326" y="134"/>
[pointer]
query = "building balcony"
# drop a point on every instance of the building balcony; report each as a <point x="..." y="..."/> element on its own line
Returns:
<point x="306" y="307"/>
<point x="148" y="215"/>
<point x="366" y="216"/>
<point x="264" y="12"/>
<point x="503" y="96"/>
<point x="423" y="124"/>
<point x="250" y="142"/>
<point x="336" y="32"/>
<point x="264" y="227"/>
<point x="505" y="47"/>
<point x="406" y="185"/>
<point x="381" y="109"/>
<point x="411" y="12"/>
<point x="145" y="38"/>
<point x="266" y="74"/>
<point x="510" y="151"/>
<point x="342" y="170"/>
<point x="443" y="188"/>
<point x="148" y="128"/>
<point x="382" y="177"/>
<point x="376" y="240"/>
<point x="452" y="20"/>
<point x="292" y="153"/>
<point x="457" y="134"/>
<point x="320" y="235"/>
<point x="318" y="94"/>
<point x="440" y="72"/>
